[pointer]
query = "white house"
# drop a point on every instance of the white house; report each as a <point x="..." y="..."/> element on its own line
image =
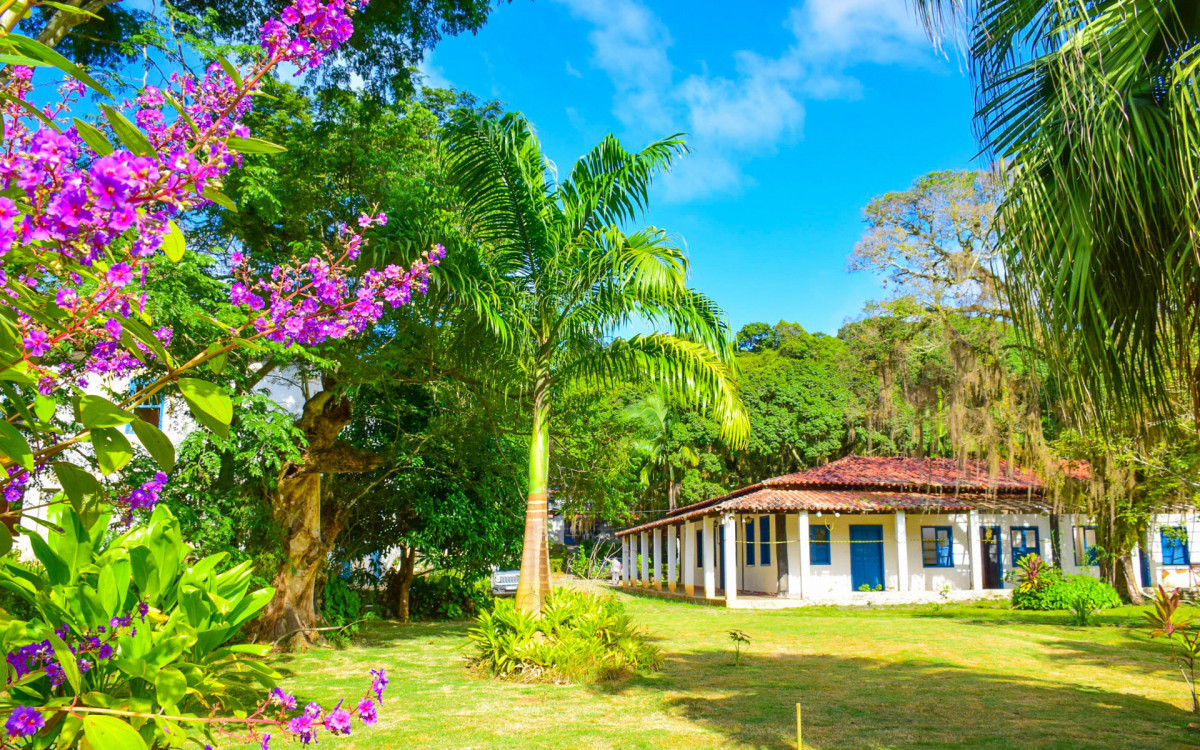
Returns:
<point x="877" y="529"/>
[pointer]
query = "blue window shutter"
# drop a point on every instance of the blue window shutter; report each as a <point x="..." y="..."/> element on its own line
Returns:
<point x="699" y="548"/>
<point x="1175" y="546"/>
<point x="818" y="545"/>
<point x="750" y="541"/>
<point x="1025" y="540"/>
<point x="764" y="535"/>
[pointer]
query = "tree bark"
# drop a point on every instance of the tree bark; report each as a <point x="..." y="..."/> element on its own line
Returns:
<point x="1125" y="580"/>
<point x="408" y="564"/>
<point x="533" y="586"/>
<point x="296" y="504"/>
<point x="781" y="561"/>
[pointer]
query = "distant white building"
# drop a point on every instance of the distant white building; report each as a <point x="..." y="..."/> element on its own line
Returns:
<point x="874" y="529"/>
<point x="286" y="387"/>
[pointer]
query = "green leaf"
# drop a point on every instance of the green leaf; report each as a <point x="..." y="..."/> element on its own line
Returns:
<point x="97" y="411"/>
<point x="109" y="733"/>
<point x="39" y="51"/>
<point x="29" y="62"/>
<point x="66" y="660"/>
<point x="173" y="243"/>
<point x="44" y="407"/>
<point x="222" y="200"/>
<point x="79" y="485"/>
<point x="56" y="570"/>
<point x="169" y="686"/>
<point x="31" y="109"/>
<point x="71" y="9"/>
<point x="113" y="450"/>
<point x="156" y="443"/>
<point x="230" y="70"/>
<point x="211" y="406"/>
<point x="134" y="139"/>
<point x="93" y="137"/>
<point x="253" y="146"/>
<point x="14" y="447"/>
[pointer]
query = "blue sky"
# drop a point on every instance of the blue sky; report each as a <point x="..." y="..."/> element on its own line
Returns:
<point x="797" y="113"/>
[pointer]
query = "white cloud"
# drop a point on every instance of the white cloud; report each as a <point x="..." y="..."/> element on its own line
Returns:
<point x="762" y="104"/>
<point x="431" y="75"/>
<point x="573" y="71"/>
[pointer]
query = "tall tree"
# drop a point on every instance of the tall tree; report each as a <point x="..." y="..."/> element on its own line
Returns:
<point x="663" y="456"/>
<point x="566" y="280"/>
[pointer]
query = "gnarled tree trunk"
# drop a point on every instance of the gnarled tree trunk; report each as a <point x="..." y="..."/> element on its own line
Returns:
<point x="309" y="529"/>
<point x="404" y="581"/>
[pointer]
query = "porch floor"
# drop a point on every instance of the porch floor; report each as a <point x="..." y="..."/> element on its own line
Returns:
<point x="754" y="600"/>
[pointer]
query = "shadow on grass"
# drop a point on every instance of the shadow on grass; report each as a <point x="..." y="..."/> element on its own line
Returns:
<point x="862" y="702"/>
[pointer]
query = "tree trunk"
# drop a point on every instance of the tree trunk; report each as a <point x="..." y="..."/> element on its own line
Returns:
<point x="296" y="504"/>
<point x="533" y="587"/>
<point x="781" y="561"/>
<point x="408" y="564"/>
<point x="1125" y="580"/>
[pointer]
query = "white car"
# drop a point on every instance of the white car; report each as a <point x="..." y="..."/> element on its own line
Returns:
<point x="504" y="582"/>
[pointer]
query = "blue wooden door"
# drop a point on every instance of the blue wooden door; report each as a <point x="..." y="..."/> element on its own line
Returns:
<point x="866" y="557"/>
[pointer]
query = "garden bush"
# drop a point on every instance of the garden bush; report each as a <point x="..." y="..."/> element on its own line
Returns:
<point x="580" y="637"/>
<point x="1044" y="587"/>
<point x="448" y="596"/>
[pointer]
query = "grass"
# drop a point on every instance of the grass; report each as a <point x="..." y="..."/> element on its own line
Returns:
<point x="969" y="676"/>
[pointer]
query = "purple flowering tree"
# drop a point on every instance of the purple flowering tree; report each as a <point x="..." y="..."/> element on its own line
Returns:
<point x="84" y="208"/>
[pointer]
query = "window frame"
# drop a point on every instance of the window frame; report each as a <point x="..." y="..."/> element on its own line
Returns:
<point x="824" y="545"/>
<point x="1177" y="543"/>
<point x="155" y="402"/>
<point x="764" y="540"/>
<point x="937" y="547"/>
<point x="1037" y="542"/>
<point x="1080" y="540"/>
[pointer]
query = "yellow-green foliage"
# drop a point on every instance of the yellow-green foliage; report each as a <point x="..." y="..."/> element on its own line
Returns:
<point x="580" y="637"/>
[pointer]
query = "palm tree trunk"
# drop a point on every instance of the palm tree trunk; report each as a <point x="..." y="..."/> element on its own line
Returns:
<point x="533" y="587"/>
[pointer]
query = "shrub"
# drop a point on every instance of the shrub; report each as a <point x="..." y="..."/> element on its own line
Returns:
<point x="340" y="605"/>
<point x="448" y="596"/>
<point x="1044" y="587"/>
<point x="580" y="637"/>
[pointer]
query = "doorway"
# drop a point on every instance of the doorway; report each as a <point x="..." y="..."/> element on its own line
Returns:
<point x="866" y="558"/>
<point x="993" y="560"/>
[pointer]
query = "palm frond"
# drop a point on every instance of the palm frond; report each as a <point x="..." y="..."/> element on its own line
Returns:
<point x="611" y="185"/>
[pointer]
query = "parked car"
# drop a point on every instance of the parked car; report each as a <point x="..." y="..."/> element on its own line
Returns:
<point x="504" y="582"/>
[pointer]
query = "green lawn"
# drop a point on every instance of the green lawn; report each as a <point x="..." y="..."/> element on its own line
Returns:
<point x="963" y="676"/>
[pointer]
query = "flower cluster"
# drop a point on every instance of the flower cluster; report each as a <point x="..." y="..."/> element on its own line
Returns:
<point x="88" y="217"/>
<point x="306" y="726"/>
<point x="92" y="646"/>
<point x="143" y="498"/>
<point x="309" y="302"/>
<point x="307" y="30"/>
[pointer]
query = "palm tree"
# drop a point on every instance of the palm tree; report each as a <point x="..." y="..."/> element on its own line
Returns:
<point x="565" y="280"/>
<point x="663" y="455"/>
<point x="1094" y="107"/>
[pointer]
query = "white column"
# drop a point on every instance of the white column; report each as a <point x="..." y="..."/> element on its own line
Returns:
<point x="672" y="554"/>
<point x="973" y="551"/>
<point x="656" y="567"/>
<point x="901" y="551"/>
<point x="730" y="525"/>
<point x="687" y="558"/>
<point x="645" y="579"/>
<point x="710" y="557"/>
<point x="793" y="549"/>
<point x="805" y="554"/>
<point x="626" y="567"/>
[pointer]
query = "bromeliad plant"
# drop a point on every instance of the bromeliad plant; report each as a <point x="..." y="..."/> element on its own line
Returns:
<point x="1185" y="646"/>
<point x="128" y="648"/>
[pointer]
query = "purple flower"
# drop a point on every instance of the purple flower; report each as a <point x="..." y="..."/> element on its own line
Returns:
<point x="302" y="727"/>
<point x="266" y="742"/>
<point x="368" y="712"/>
<point x="24" y="721"/>
<point x="36" y="342"/>
<point x="119" y="275"/>
<point x="285" y="700"/>
<point x="379" y="682"/>
<point x="338" y="721"/>
<point x="313" y="710"/>
<point x="105" y="651"/>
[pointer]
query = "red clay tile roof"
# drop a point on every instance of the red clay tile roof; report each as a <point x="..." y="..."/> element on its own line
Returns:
<point x="875" y="484"/>
<point x="929" y="473"/>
